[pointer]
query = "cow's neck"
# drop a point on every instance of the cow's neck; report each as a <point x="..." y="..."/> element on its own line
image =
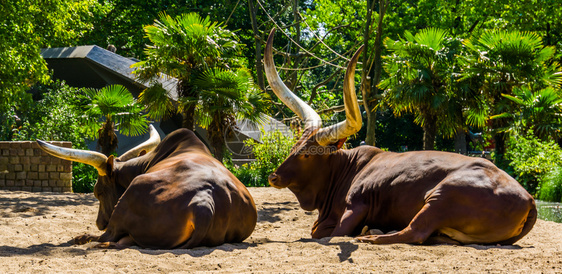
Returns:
<point x="344" y="166"/>
<point x="127" y="171"/>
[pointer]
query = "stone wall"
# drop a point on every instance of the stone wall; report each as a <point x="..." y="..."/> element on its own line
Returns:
<point x="24" y="166"/>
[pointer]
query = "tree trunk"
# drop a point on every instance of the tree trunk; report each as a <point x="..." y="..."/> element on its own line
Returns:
<point x="216" y="134"/>
<point x="107" y="139"/>
<point x="372" y="69"/>
<point x="460" y="137"/>
<point x="429" y="132"/>
<point x="499" y="137"/>
<point x="499" y="140"/>
<point x="257" y="45"/>
<point x="460" y="142"/>
<point x="370" y="138"/>
<point x="188" y="112"/>
<point x="292" y="79"/>
<point x="188" y="121"/>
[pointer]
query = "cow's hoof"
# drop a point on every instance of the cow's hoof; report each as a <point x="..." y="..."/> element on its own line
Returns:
<point x="84" y="239"/>
<point x="367" y="238"/>
<point x="106" y="245"/>
<point x="366" y="231"/>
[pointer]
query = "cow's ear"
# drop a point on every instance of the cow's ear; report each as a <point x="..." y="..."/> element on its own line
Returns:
<point x="340" y="142"/>
<point x="143" y="152"/>
<point x="110" y="164"/>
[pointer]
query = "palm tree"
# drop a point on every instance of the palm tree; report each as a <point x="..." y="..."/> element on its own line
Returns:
<point x="198" y="53"/>
<point x="537" y="110"/>
<point x="422" y="81"/>
<point x="227" y="96"/>
<point x="112" y="108"/>
<point x="499" y="61"/>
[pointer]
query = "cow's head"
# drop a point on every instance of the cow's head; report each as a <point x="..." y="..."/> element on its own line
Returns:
<point x="317" y="143"/>
<point x="110" y="184"/>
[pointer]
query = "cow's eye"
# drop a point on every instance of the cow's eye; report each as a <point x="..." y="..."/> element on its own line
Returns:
<point x="306" y="156"/>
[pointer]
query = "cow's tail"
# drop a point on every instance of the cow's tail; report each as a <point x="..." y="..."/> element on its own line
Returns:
<point x="529" y="223"/>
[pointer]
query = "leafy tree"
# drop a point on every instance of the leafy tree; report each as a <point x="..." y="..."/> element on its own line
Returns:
<point x="54" y="115"/>
<point x="224" y="97"/>
<point x="181" y="47"/>
<point x="498" y="61"/>
<point x="532" y="159"/>
<point x="422" y="81"/>
<point x="372" y="69"/>
<point x="539" y="110"/>
<point x="120" y="23"/>
<point x="112" y="108"/>
<point x="211" y="87"/>
<point x="26" y="27"/>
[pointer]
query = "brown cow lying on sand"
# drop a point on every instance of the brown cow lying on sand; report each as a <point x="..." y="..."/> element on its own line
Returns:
<point x="175" y="196"/>
<point x="427" y="196"/>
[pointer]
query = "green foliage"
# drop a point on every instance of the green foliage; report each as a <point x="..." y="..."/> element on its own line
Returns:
<point x="539" y="110"/>
<point x="551" y="186"/>
<point x="183" y="44"/>
<point x="83" y="178"/>
<point x="500" y="60"/>
<point x="214" y="90"/>
<point x="269" y="154"/>
<point x="108" y="109"/>
<point x="532" y="159"/>
<point x="54" y="116"/>
<point x="113" y="104"/>
<point x="422" y="79"/>
<point x="182" y="47"/>
<point x="227" y="92"/>
<point x="26" y="27"/>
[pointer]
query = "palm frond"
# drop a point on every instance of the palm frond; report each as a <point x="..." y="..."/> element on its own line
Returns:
<point x="113" y="104"/>
<point x="157" y="101"/>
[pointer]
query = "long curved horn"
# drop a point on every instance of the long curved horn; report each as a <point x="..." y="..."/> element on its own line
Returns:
<point x="352" y="123"/>
<point x="302" y="109"/>
<point x="92" y="158"/>
<point x="147" y="146"/>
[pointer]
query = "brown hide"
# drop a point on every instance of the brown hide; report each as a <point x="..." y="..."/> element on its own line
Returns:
<point x="184" y="198"/>
<point x="427" y="196"/>
<point x="176" y="196"/>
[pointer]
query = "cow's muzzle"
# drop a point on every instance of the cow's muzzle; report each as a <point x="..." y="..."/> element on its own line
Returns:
<point x="274" y="180"/>
<point x="101" y="224"/>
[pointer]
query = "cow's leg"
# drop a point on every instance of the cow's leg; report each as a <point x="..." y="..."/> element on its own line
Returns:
<point x="350" y="220"/>
<point x="417" y="232"/>
<point x="124" y="242"/>
<point x="104" y="241"/>
<point x="198" y="225"/>
<point x="109" y="239"/>
<point x="441" y="240"/>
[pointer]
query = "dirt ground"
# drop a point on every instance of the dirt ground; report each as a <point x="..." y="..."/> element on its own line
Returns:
<point x="36" y="231"/>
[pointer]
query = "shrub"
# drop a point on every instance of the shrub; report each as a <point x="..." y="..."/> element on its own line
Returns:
<point x="532" y="159"/>
<point x="54" y="116"/>
<point x="551" y="186"/>
<point x="269" y="153"/>
<point x="83" y="178"/>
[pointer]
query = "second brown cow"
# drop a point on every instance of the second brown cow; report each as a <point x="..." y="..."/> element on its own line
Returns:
<point x="427" y="196"/>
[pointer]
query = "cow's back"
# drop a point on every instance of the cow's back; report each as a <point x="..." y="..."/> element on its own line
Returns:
<point x="398" y="185"/>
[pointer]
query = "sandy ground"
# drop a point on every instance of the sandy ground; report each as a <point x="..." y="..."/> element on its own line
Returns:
<point x="36" y="231"/>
